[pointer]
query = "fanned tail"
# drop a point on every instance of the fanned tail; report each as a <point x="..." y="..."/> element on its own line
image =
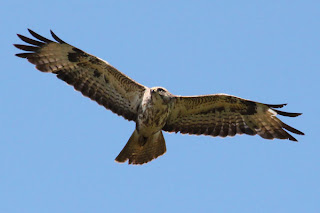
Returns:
<point x="140" y="150"/>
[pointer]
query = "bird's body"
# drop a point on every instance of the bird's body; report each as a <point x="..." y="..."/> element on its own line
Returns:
<point x="154" y="112"/>
<point x="153" y="109"/>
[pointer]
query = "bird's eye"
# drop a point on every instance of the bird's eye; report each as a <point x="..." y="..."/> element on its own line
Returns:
<point x="160" y="90"/>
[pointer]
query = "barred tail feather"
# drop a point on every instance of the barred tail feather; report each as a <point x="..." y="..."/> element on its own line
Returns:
<point x="140" y="150"/>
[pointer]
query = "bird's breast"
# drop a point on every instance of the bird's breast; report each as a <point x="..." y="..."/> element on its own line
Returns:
<point x="152" y="117"/>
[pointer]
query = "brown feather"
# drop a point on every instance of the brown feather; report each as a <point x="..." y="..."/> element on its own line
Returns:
<point x="30" y="41"/>
<point x="227" y="116"/>
<point x="91" y="76"/>
<point x="26" y="47"/>
<point x="139" y="153"/>
<point x="57" y="38"/>
<point x="41" y="38"/>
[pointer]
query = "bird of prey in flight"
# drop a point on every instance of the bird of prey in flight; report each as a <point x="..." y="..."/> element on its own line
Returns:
<point x="153" y="109"/>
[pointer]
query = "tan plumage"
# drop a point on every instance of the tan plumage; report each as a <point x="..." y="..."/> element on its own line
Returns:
<point x="92" y="76"/>
<point x="153" y="109"/>
<point x="224" y="115"/>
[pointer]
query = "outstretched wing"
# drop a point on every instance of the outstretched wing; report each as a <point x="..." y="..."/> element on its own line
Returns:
<point x="90" y="75"/>
<point x="225" y="115"/>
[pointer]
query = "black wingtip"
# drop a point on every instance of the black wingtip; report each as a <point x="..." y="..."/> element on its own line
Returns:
<point x="291" y="129"/>
<point x="289" y="114"/>
<point x="31" y="31"/>
<point x="23" y="55"/>
<point x="30" y="41"/>
<point x="25" y="47"/>
<point x="276" y="105"/>
<point x="57" y="38"/>
<point x="20" y="36"/>
<point x="41" y="38"/>
<point x="291" y="138"/>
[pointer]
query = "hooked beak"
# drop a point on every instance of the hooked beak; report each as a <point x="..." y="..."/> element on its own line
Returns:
<point x="153" y="92"/>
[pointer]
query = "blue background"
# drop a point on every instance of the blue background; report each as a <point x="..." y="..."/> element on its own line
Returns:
<point x="57" y="148"/>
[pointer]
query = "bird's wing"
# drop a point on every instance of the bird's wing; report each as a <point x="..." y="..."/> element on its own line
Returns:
<point x="225" y="115"/>
<point x="92" y="76"/>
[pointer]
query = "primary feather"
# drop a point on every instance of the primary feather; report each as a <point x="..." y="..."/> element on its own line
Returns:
<point x="93" y="77"/>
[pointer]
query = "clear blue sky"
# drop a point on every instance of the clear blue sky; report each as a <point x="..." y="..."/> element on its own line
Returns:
<point x="57" y="148"/>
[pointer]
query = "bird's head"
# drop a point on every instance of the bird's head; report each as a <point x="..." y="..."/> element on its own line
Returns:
<point x="160" y="92"/>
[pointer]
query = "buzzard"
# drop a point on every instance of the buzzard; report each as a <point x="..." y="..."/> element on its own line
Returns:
<point x="153" y="109"/>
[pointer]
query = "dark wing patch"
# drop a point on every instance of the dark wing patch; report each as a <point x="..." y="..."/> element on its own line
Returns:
<point x="88" y="74"/>
<point x="225" y="115"/>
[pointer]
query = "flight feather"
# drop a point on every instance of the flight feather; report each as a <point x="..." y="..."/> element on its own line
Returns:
<point x="225" y="115"/>
<point x="92" y="76"/>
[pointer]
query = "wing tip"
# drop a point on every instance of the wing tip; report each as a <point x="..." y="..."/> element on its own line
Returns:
<point x="291" y="129"/>
<point x="31" y="31"/>
<point x="22" y="55"/>
<point x="57" y="38"/>
<point x="291" y="138"/>
<point x="26" y="47"/>
<point x="288" y="114"/>
<point x="41" y="38"/>
<point x="276" y="105"/>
